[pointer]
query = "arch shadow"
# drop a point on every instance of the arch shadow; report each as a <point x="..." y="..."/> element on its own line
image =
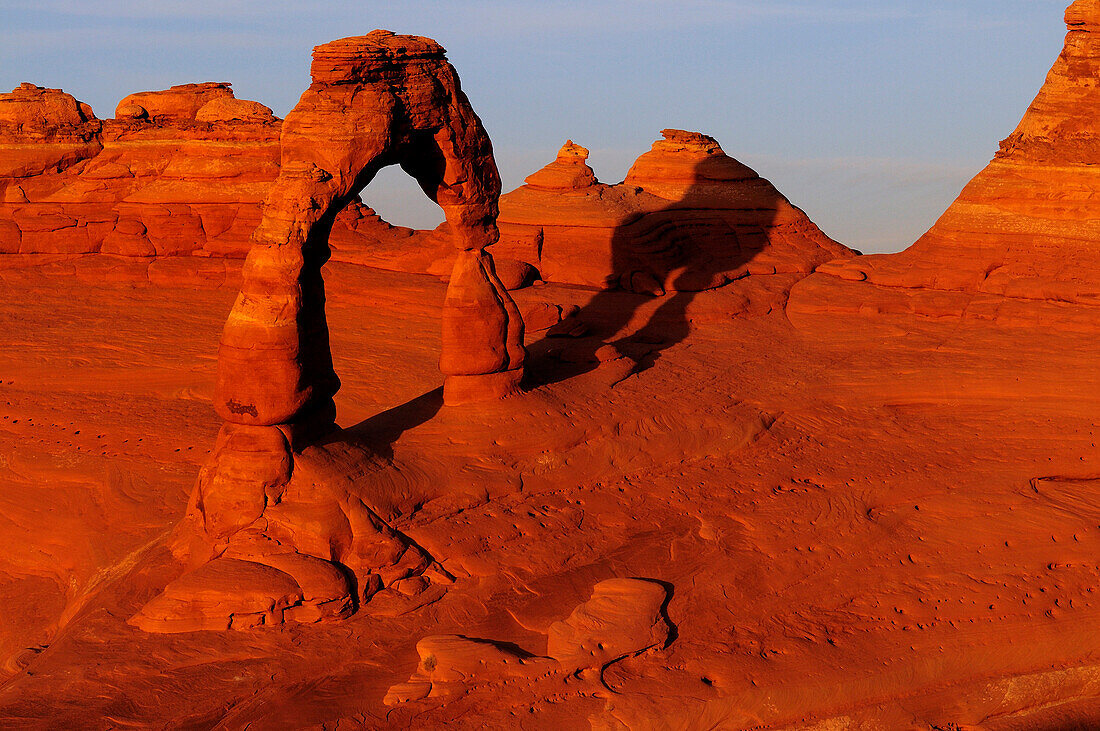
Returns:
<point x="687" y="246"/>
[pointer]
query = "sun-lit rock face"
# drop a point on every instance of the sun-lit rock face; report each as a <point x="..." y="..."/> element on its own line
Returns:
<point x="705" y="512"/>
<point x="688" y="217"/>
<point x="569" y="171"/>
<point x="42" y="131"/>
<point x="155" y="181"/>
<point x="1027" y="226"/>
<point x="177" y="172"/>
<point x="375" y="100"/>
<point x="181" y="102"/>
<point x="302" y="542"/>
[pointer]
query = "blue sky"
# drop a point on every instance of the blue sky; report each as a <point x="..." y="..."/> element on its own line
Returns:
<point x="869" y="115"/>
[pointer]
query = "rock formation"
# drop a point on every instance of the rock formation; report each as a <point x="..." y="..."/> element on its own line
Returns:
<point x="828" y="521"/>
<point x="623" y="618"/>
<point x="176" y="172"/>
<point x="687" y="218"/>
<point x="43" y="130"/>
<point x="182" y="172"/>
<point x="258" y="518"/>
<point x="1028" y="225"/>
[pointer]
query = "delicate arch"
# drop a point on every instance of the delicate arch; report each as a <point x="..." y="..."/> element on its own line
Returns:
<point x="375" y="100"/>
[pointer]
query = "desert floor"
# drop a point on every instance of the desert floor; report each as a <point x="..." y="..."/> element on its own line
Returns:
<point x="868" y="519"/>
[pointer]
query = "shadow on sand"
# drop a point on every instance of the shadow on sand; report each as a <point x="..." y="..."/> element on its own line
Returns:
<point x="667" y="255"/>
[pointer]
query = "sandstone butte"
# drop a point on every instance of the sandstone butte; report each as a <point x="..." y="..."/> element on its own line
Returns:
<point x="721" y="473"/>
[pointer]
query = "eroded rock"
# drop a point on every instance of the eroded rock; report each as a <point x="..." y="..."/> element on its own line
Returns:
<point x="1026" y="226"/>
<point x="624" y="617"/>
<point x="375" y="100"/>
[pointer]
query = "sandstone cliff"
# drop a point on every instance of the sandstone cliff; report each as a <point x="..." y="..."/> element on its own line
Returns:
<point x="1027" y="226"/>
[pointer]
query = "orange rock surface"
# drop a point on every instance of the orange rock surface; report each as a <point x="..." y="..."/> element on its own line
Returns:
<point x="176" y="172"/>
<point x="859" y="506"/>
<point x="687" y="218"/>
<point x="1027" y="226"/>
<point x="272" y="534"/>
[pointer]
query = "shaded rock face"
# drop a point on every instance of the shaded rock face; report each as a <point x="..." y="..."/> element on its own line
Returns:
<point x="297" y="531"/>
<point x="687" y="218"/>
<point x="1028" y="225"/>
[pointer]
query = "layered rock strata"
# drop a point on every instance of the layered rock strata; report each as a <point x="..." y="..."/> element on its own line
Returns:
<point x="260" y="515"/>
<point x="1028" y="225"/>
<point x="177" y="172"/>
<point x="183" y="171"/>
<point x="687" y="218"/>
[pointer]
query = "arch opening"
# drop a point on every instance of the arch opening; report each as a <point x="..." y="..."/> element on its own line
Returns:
<point x="351" y="123"/>
<point x="399" y="201"/>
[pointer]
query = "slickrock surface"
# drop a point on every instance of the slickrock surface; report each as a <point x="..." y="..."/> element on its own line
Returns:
<point x="1027" y="227"/>
<point x="888" y="523"/>
<point x="709" y="508"/>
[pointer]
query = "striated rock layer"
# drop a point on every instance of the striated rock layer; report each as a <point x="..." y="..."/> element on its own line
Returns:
<point x="183" y="171"/>
<point x="687" y="218"/>
<point x="273" y="533"/>
<point x="1028" y="226"/>
<point x="176" y="172"/>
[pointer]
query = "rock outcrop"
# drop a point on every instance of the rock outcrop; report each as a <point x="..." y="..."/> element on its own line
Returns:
<point x="623" y="618"/>
<point x="1027" y="226"/>
<point x="183" y="171"/>
<point x="42" y="131"/>
<point x="306" y="542"/>
<point x="155" y="181"/>
<point x="687" y="218"/>
<point x="176" y="172"/>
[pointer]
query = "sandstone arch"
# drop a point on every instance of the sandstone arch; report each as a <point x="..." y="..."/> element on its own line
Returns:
<point x="270" y="535"/>
<point x="375" y="100"/>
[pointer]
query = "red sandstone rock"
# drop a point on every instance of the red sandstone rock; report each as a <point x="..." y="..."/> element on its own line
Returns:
<point x="569" y="171"/>
<point x="181" y="102"/>
<point x="182" y="175"/>
<point x="230" y="109"/>
<point x="138" y="186"/>
<point x="343" y="123"/>
<point x="276" y="380"/>
<point x="185" y="176"/>
<point x="880" y="522"/>
<point x="1028" y="224"/>
<point x="687" y="218"/>
<point x="43" y="131"/>
<point x="622" y="618"/>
